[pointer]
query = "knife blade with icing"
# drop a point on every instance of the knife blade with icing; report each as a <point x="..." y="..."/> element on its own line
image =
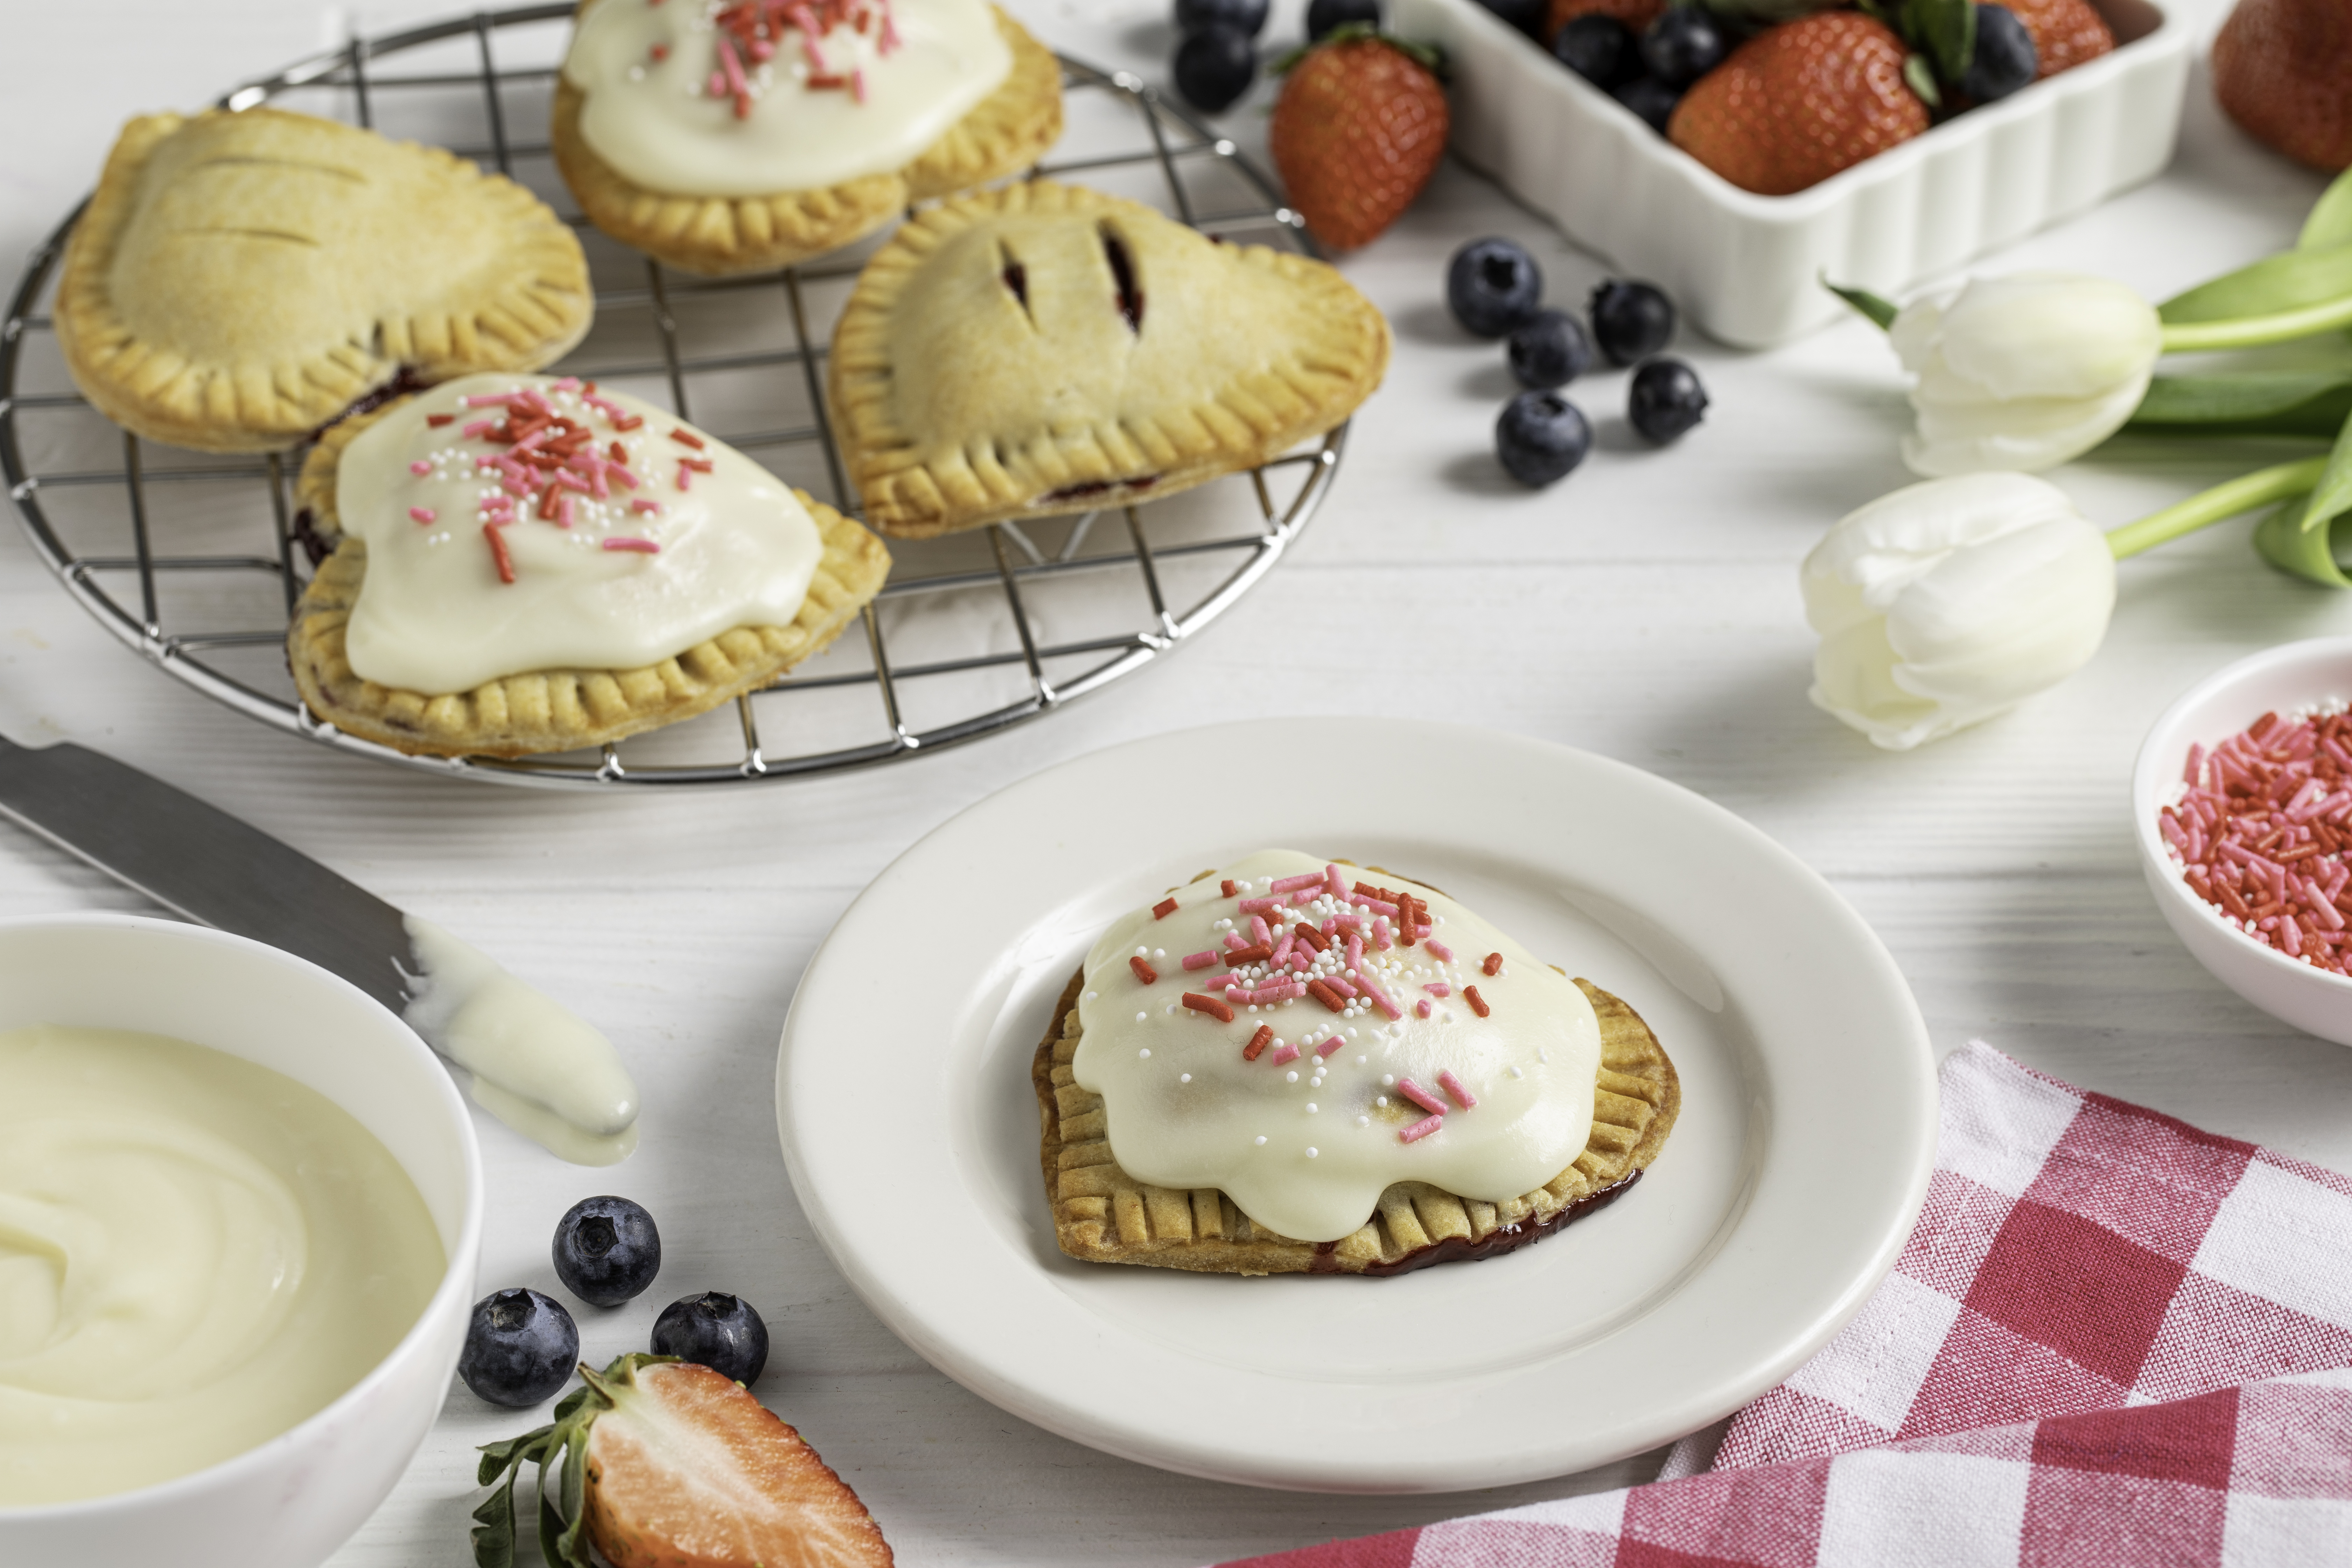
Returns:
<point x="528" y="1059"/>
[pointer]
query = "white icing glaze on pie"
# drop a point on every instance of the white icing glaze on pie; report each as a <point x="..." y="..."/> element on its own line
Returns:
<point x="648" y="71"/>
<point x="1303" y="1146"/>
<point x="640" y="575"/>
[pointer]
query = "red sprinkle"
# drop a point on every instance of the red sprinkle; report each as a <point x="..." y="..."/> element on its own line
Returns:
<point x="1258" y="1042"/>
<point x="1163" y="909"/>
<point x="1256" y="953"/>
<point x="1477" y="1003"/>
<point x="2261" y="834"/>
<point x="1230" y="887"/>
<point x="1493" y="965"/>
<point x="1323" y="993"/>
<point x="1209" y="1004"/>
<point x="1143" y="971"/>
<point x="688" y="437"/>
<point x="499" y="551"/>
<point x="1311" y="936"/>
<point x="438" y="420"/>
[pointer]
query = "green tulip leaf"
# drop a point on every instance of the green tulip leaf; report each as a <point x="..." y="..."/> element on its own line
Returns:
<point x="1875" y="307"/>
<point x="2291" y="280"/>
<point x="2330" y="222"/>
<point x="2281" y="540"/>
<point x="2249" y="403"/>
<point x="2332" y="496"/>
<point x="1920" y="77"/>
<point x="1947" y="30"/>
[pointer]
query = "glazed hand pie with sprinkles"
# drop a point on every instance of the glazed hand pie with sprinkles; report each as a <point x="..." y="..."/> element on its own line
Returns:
<point x="240" y="279"/>
<point x="729" y="136"/>
<point x="1289" y="1067"/>
<point x="1045" y="348"/>
<point x="529" y="564"/>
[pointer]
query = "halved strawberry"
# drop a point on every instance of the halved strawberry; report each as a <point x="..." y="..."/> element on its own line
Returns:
<point x="668" y="1464"/>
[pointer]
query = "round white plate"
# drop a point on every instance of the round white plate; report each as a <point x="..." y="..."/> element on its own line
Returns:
<point x="1799" y="1163"/>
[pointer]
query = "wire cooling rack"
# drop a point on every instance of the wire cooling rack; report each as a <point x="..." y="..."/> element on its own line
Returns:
<point x="196" y="561"/>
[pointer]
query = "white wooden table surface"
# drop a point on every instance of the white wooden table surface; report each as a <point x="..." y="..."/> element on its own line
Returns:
<point x="1646" y="608"/>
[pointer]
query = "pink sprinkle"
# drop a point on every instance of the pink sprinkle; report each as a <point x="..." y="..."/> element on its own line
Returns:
<point x="563" y="511"/>
<point x="1421" y="1128"/>
<point x="1381" y="933"/>
<point x="1260" y="906"/>
<point x="857" y="83"/>
<point x="1378" y="905"/>
<point x="2194" y="774"/>
<point x="420" y="467"/>
<point x="637" y="546"/>
<point x="1335" y="882"/>
<point x="642" y="504"/>
<point x="1286" y="1054"/>
<point x="479" y="427"/>
<point x="1341" y="986"/>
<point x="1421" y="1008"/>
<point x="1259" y="934"/>
<point x="1200" y="960"/>
<point x="1439" y="988"/>
<point x="717" y="85"/>
<point x="422" y="514"/>
<point x="1347" y="922"/>
<point x="1355" y="952"/>
<point x="685" y="478"/>
<point x="1327" y="1047"/>
<point x="1284" y="991"/>
<point x="1282" y="949"/>
<point x="1234" y="941"/>
<point x="485" y="400"/>
<point x="1379" y="997"/>
<point x="1420" y="1097"/>
<point x="1292" y="884"/>
<point x="1438" y="948"/>
<point x="1453" y="1086"/>
<point x="565" y="383"/>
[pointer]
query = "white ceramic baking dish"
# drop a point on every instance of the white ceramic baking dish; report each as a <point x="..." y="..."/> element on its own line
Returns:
<point x="1746" y="268"/>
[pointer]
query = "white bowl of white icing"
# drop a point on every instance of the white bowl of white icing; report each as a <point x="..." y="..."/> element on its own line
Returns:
<point x="97" y="984"/>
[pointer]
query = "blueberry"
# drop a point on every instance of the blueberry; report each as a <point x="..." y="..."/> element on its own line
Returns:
<point x="1549" y="349"/>
<point x="1602" y="49"/>
<point x="1526" y="16"/>
<point x="1666" y="400"/>
<point x="2005" y="60"/>
<point x="520" y="1347"/>
<point x="1244" y="16"/>
<point x="1683" y="45"/>
<point x="1322" y="15"/>
<point x="606" y="1250"/>
<point x="1216" y="68"/>
<point x="720" y="1331"/>
<point x="1541" y="437"/>
<point x="1630" y="321"/>
<point x="1493" y="285"/>
<point x="1651" y="98"/>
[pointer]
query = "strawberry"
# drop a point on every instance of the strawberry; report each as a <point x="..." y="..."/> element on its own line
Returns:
<point x="1358" y="130"/>
<point x="2065" y="33"/>
<point x="1635" y="14"/>
<point x="1798" y="102"/>
<point x="668" y="1464"/>
<point x="2282" y="69"/>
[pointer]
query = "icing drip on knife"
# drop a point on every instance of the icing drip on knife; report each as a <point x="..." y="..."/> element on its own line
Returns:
<point x="1332" y="1034"/>
<point x="531" y="1061"/>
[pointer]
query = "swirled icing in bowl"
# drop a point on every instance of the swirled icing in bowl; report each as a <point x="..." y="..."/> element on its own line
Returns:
<point x="475" y="573"/>
<point x="197" y="1253"/>
<point x="857" y="101"/>
<point x="1305" y="1145"/>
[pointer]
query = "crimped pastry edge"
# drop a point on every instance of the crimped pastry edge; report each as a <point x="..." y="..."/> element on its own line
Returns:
<point x="558" y="710"/>
<point x="725" y="237"/>
<point x="258" y="408"/>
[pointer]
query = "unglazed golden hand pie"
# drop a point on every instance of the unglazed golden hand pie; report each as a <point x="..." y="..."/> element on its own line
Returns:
<point x="717" y="137"/>
<point x="1345" y="1077"/>
<point x="240" y="279"/>
<point x="1044" y="348"/>
<point x="527" y="564"/>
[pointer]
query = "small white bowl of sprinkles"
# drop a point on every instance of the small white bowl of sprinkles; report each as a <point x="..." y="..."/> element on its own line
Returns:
<point x="2242" y="806"/>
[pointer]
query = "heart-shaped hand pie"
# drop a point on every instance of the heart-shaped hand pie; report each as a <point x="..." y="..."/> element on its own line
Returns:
<point x="723" y="139"/>
<point x="1045" y="348"/>
<point x="240" y="279"/>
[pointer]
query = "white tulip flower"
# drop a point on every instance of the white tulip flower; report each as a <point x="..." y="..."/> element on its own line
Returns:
<point x="2023" y="373"/>
<point x="1947" y="602"/>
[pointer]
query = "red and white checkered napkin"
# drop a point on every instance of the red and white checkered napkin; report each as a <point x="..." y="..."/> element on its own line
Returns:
<point x="2112" y="1340"/>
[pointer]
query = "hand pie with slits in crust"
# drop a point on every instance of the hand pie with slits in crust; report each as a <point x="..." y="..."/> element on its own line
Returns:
<point x="240" y="279"/>
<point x="679" y="136"/>
<point x="1044" y="348"/>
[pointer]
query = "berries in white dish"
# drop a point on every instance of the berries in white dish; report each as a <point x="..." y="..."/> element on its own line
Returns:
<point x="2005" y="58"/>
<point x="1666" y="400"/>
<point x="520" y="1347"/>
<point x="1540" y="437"/>
<point x="606" y="1250"/>
<point x="1683" y="45"/>
<point x="721" y="1331"/>
<point x="1631" y="320"/>
<point x="1492" y="285"/>
<point x="1599" y="48"/>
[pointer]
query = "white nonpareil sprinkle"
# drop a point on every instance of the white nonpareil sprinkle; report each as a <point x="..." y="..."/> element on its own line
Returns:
<point x="1312" y="1151"/>
<point x="1311" y="1108"/>
<point x="1144" y="1052"/>
<point x="1139" y="1018"/>
<point x="1183" y="1078"/>
<point x="1092" y="994"/>
<point x="1261" y="1138"/>
<point x="1158" y="952"/>
<point x="1388" y="1078"/>
<point x="1515" y="1073"/>
<point x="1363" y="1121"/>
<point x="1380" y="1100"/>
<point x="1290" y="1078"/>
<point x="1142" y="951"/>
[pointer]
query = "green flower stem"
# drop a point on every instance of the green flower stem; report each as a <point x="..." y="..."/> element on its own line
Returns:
<point x="2259" y="487"/>
<point x="2253" y="332"/>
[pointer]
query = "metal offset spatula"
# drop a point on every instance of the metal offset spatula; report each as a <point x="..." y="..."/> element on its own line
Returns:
<point x="565" y="1088"/>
